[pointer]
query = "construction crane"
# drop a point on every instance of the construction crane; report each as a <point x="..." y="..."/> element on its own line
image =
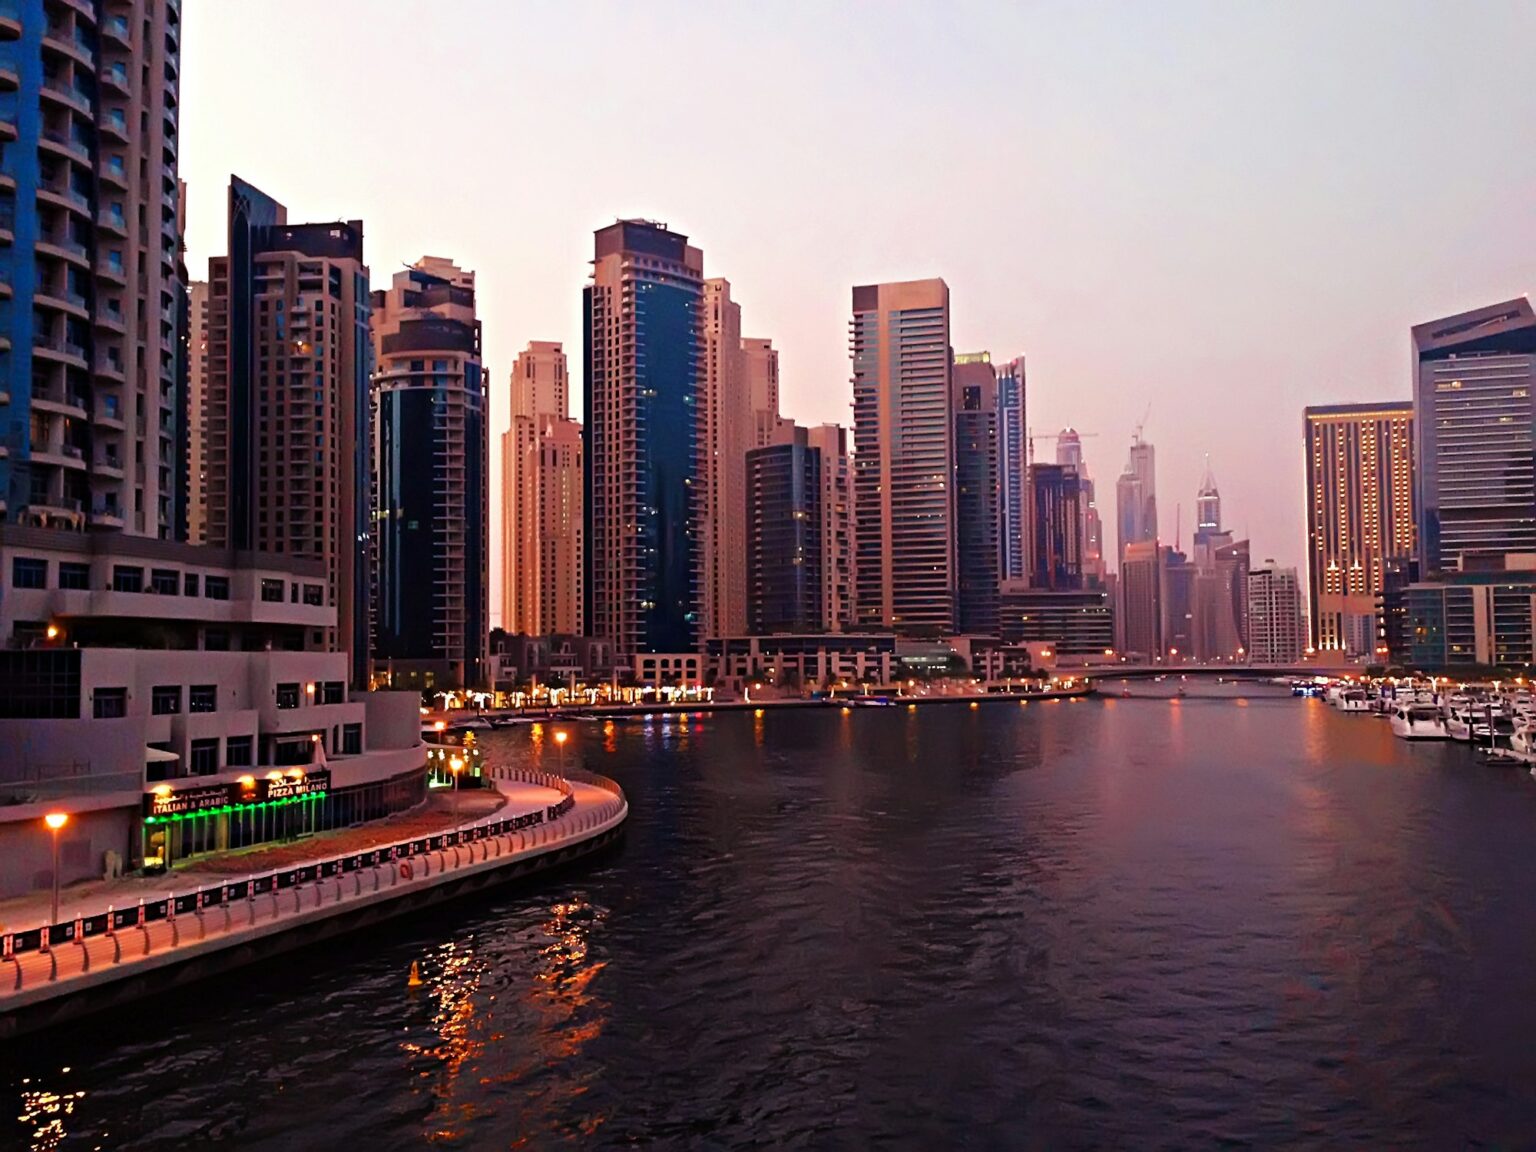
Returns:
<point x="1030" y="438"/>
<point x="1142" y="423"/>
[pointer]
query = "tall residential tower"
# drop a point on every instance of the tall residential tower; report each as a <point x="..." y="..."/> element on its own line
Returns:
<point x="431" y="494"/>
<point x="903" y="458"/>
<point x="645" y="379"/>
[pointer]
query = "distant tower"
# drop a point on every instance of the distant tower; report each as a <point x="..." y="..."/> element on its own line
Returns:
<point x="1069" y="452"/>
<point x="974" y="396"/>
<point x="1012" y="469"/>
<point x="1207" y="506"/>
<point x="1136" y="496"/>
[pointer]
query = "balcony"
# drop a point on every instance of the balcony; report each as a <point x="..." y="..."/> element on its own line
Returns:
<point x="64" y="144"/>
<point x="9" y="80"/>
<point x="10" y="20"/>
<point x="63" y="300"/>
<point x="60" y="456"/>
<point x="7" y="130"/>
<point x="108" y="466"/>
<point x="116" y="28"/>
<point x="60" y="92"/>
<point x="106" y="516"/>
<point x="115" y="124"/>
<point x="111" y="320"/>
<point x="115" y="77"/>
<point x="112" y="171"/>
<point x="56" y="399"/>
<point x="71" y="43"/>
<point x="65" y="248"/>
<point x="109" y="368"/>
<point x="111" y="270"/>
<point x="64" y="197"/>
<point x="111" y="221"/>
<point x="109" y="412"/>
<point x="47" y="511"/>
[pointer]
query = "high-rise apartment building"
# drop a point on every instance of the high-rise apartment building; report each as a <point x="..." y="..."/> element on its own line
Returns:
<point x="903" y="435"/>
<point x="1140" y="622"/>
<point x="1176" y="595"/>
<point x="286" y="406"/>
<point x="645" y="378"/>
<point x="978" y="516"/>
<point x="760" y="363"/>
<point x="1221" y="602"/>
<point x="1276" y="630"/>
<point x="1473" y="431"/>
<point x="729" y="430"/>
<point x="90" y="290"/>
<point x="1360" y="517"/>
<point x="1012" y="471"/>
<point x="784" y="536"/>
<point x="538" y="384"/>
<point x="431" y="578"/>
<point x="1055" y="520"/>
<point x="197" y="423"/>
<point x="836" y="511"/>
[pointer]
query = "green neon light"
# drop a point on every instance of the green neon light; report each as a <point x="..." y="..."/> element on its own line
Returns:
<point x="235" y="808"/>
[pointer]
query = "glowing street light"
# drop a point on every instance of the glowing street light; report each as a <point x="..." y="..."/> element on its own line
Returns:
<point x="55" y="822"/>
<point x="456" y="765"/>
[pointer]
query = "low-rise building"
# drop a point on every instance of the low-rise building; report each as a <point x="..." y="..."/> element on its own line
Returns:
<point x="172" y="699"/>
<point x="807" y="660"/>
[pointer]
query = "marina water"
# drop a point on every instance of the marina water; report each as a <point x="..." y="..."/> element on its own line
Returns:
<point x="1232" y="918"/>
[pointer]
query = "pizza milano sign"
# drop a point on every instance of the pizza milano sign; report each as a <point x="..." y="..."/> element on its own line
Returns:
<point x="205" y="797"/>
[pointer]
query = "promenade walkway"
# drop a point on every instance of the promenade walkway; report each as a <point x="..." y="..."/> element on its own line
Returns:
<point x="196" y="912"/>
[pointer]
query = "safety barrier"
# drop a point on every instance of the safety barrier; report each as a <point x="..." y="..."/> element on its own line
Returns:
<point x="404" y="859"/>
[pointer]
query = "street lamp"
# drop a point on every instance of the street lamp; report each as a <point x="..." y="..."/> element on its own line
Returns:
<point x="560" y="739"/>
<point x="457" y="766"/>
<point x="55" y="822"/>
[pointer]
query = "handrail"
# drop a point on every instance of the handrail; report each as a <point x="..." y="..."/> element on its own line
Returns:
<point x="83" y="927"/>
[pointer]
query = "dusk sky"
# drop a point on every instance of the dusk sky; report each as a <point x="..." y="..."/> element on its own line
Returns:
<point x="1223" y="211"/>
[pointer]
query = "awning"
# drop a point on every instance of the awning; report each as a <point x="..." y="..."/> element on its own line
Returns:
<point x="159" y="755"/>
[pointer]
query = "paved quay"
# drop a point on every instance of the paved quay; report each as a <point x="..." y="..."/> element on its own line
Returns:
<point x="209" y="915"/>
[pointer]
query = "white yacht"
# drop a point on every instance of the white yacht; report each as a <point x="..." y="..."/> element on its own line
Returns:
<point x="1354" y="700"/>
<point x="1418" y="722"/>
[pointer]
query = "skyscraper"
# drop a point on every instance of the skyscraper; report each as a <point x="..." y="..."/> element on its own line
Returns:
<point x="1141" y="612"/>
<point x="90" y="294"/>
<point x="1176" y="601"/>
<point x="1069" y="452"/>
<point x="977" y="511"/>
<point x="1276" y="631"/>
<point x="760" y="362"/>
<point x="1221" y="602"/>
<point x="1136" y="496"/>
<point x="287" y="445"/>
<point x="1473" y="433"/>
<point x="784" y="536"/>
<point x="541" y="499"/>
<point x="431" y="591"/>
<point x="729" y="430"/>
<point x="1207" y="508"/>
<point x="903" y="457"/>
<point x="1055" y="541"/>
<point x="836" y="511"/>
<point x="1360" y="517"/>
<point x="1012" y="468"/>
<point x="644" y="435"/>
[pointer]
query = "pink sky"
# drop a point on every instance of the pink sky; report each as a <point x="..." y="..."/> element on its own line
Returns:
<point x="1224" y="211"/>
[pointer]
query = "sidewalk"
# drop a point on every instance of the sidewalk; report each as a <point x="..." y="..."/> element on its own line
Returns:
<point x="435" y="815"/>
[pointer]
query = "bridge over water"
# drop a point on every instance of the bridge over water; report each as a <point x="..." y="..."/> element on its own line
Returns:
<point x="1209" y="671"/>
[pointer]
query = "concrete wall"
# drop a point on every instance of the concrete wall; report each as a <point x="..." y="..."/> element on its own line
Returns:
<point x="26" y="848"/>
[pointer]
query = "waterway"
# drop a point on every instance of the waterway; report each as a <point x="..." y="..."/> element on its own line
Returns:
<point x="1233" y="919"/>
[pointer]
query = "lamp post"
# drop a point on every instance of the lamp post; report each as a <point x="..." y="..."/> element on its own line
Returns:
<point x="55" y="822"/>
<point x="560" y="739"/>
<point x="456" y="765"/>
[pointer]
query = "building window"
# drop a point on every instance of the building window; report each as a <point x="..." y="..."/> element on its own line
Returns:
<point x="216" y="640"/>
<point x="127" y="579"/>
<point x="165" y="699"/>
<point x="314" y="595"/>
<point x="164" y="582"/>
<point x="352" y="739"/>
<point x="216" y="588"/>
<point x="333" y="692"/>
<point x="189" y="584"/>
<point x="29" y="572"/>
<point x="205" y="757"/>
<point x="203" y="698"/>
<point x="238" y="752"/>
<point x="72" y="575"/>
<point x="272" y="591"/>
<point x="287" y="695"/>
<point x="109" y="703"/>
